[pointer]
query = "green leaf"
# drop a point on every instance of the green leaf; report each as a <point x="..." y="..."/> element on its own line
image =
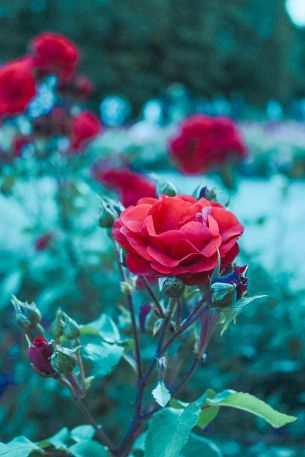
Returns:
<point x="103" y="357"/>
<point x="207" y="415"/>
<point x="82" y="433"/>
<point x="10" y="285"/>
<point x="161" y="394"/>
<point x="251" y="404"/>
<point x="103" y="327"/>
<point x="200" y="446"/>
<point x="88" y="448"/>
<point x="19" y="447"/>
<point x="169" y="431"/>
<point x="58" y="440"/>
<point x="229" y="314"/>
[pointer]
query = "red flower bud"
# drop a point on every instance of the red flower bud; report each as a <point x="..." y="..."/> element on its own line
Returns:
<point x="40" y="355"/>
<point x="43" y="241"/>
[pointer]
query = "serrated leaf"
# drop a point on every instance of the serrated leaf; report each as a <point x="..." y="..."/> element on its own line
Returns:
<point x="88" y="448"/>
<point x="200" y="446"/>
<point x="103" y="357"/>
<point x="19" y="447"/>
<point x="82" y="433"/>
<point x="161" y="394"/>
<point x="251" y="404"/>
<point x="169" y="431"/>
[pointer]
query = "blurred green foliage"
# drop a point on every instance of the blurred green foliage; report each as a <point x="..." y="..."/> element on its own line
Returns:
<point x="138" y="47"/>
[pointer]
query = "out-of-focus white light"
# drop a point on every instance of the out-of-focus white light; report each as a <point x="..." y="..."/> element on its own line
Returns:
<point x="296" y="11"/>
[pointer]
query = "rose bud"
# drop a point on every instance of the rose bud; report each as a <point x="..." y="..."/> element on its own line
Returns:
<point x="27" y="314"/>
<point x="165" y="187"/>
<point x="63" y="360"/>
<point x="223" y="294"/>
<point x="173" y="287"/>
<point x="108" y="213"/>
<point x="40" y="353"/>
<point x="65" y="326"/>
<point x="235" y="278"/>
<point x="209" y="194"/>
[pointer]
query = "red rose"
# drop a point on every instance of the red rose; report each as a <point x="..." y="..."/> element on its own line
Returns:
<point x="54" y="53"/>
<point x="40" y="354"/>
<point x="131" y="185"/>
<point x="17" y="86"/>
<point x="177" y="236"/>
<point x="204" y="141"/>
<point x="84" y="128"/>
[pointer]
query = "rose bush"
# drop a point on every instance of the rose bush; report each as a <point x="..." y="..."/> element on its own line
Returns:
<point x="203" y="142"/>
<point x="177" y="236"/>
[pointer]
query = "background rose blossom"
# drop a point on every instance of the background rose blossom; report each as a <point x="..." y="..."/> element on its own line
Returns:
<point x="17" y="86"/>
<point x="204" y="141"/>
<point x="54" y="53"/>
<point x="85" y="126"/>
<point x="177" y="236"/>
<point x="131" y="185"/>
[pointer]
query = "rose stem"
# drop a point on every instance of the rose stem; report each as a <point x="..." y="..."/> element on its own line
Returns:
<point x="159" y="310"/>
<point x="81" y="370"/>
<point x="133" y="318"/>
<point x="128" y="440"/>
<point x="88" y="416"/>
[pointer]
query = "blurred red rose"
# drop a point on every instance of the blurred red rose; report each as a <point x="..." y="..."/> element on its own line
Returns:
<point x="43" y="241"/>
<point x="177" y="236"/>
<point x="54" y="53"/>
<point x="84" y="128"/>
<point x="203" y="142"/>
<point x="17" y="86"/>
<point x="131" y="185"/>
<point x="40" y="354"/>
<point x="19" y="142"/>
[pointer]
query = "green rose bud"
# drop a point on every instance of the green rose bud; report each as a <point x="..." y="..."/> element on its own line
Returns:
<point x="63" y="360"/>
<point x="165" y="187"/>
<point x="223" y="294"/>
<point x="173" y="287"/>
<point x="65" y="326"/>
<point x="28" y="315"/>
<point x="108" y="213"/>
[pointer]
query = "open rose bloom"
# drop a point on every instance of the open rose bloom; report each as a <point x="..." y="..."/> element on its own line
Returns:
<point x="177" y="236"/>
<point x="203" y="142"/>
